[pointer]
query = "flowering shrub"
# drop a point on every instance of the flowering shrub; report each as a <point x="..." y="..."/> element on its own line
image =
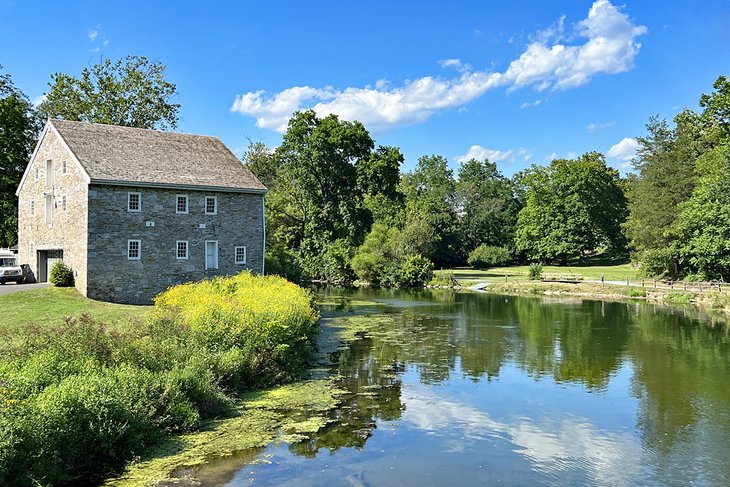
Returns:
<point x="78" y="400"/>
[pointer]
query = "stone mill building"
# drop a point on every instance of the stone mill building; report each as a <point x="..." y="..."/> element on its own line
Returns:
<point x="134" y="211"/>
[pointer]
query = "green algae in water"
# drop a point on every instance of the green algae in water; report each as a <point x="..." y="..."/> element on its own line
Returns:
<point x="288" y="414"/>
<point x="262" y="416"/>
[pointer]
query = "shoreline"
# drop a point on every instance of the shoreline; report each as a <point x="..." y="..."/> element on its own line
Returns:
<point x="712" y="301"/>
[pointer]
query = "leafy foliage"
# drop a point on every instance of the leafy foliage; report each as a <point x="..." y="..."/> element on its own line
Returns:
<point x="678" y="206"/>
<point x="487" y="204"/>
<point x="535" y="271"/>
<point x="431" y="229"/>
<point x="416" y="271"/>
<point x="572" y="208"/>
<point x="384" y="260"/>
<point x="19" y="127"/>
<point x="132" y="92"/>
<point x="61" y="275"/>
<point x="489" y="256"/>
<point x="78" y="400"/>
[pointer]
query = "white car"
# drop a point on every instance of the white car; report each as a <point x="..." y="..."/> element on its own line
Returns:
<point x="10" y="270"/>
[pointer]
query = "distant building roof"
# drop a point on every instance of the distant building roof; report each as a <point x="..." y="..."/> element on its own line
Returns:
<point x="113" y="154"/>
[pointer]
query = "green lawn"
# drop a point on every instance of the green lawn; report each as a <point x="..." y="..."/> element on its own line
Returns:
<point x="590" y="272"/>
<point x="53" y="304"/>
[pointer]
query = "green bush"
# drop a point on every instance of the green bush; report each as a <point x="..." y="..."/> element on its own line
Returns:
<point x="443" y="278"/>
<point x="660" y="262"/>
<point x="535" y="271"/>
<point x="489" y="256"/>
<point x="61" y="275"/>
<point x="79" y="400"/>
<point x="416" y="271"/>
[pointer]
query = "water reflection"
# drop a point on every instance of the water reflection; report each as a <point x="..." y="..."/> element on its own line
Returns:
<point x="484" y="388"/>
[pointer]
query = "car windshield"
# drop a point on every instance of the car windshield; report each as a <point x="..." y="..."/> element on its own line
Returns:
<point x="8" y="262"/>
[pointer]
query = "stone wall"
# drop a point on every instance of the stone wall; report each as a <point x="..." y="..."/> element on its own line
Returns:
<point x="67" y="231"/>
<point x="112" y="277"/>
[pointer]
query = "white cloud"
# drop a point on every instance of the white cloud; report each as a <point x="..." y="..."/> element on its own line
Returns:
<point x="624" y="150"/>
<point x="482" y="153"/>
<point x="594" y="127"/>
<point x="550" y="445"/>
<point x="530" y="104"/>
<point x="608" y="46"/>
<point x="93" y="34"/>
<point x="524" y="154"/>
<point x="39" y="99"/>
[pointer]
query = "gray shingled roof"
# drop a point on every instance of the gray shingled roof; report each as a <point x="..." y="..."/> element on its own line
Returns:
<point x="113" y="154"/>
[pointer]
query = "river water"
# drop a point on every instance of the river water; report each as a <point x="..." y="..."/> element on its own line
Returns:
<point x="462" y="388"/>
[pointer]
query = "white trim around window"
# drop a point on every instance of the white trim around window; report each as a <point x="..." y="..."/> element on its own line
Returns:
<point x="64" y="203"/>
<point x="211" y="205"/>
<point x="31" y="207"/>
<point x="36" y="173"/>
<point x="134" y="249"/>
<point x="181" y="249"/>
<point x="181" y="204"/>
<point x="134" y="202"/>
<point x="240" y="254"/>
<point x="64" y="167"/>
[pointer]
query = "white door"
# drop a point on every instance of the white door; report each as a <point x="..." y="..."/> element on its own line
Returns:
<point x="211" y="254"/>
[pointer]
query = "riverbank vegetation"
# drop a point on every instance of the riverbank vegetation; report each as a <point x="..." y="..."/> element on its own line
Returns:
<point x="79" y="399"/>
<point x="339" y="209"/>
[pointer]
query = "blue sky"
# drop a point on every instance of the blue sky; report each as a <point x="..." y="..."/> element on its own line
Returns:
<point x="519" y="81"/>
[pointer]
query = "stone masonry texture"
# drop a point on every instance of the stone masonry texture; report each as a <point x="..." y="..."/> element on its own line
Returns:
<point x="68" y="229"/>
<point x="112" y="277"/>
<point x="94" y="230"/>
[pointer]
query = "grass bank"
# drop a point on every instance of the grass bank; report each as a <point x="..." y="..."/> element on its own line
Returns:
<point x="710" y="300"/>
<point x="52" y="304"/>
<point x="469" y="276"/>
<point x="80" y="397"/>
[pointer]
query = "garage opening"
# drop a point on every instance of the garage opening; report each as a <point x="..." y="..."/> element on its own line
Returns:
<point x="46" y="259"/>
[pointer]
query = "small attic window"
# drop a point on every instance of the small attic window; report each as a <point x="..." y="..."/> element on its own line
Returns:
<point x="64" y="168"/>
<point x="36" y="173"/>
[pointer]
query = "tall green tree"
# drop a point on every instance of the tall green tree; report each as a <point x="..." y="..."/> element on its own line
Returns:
<point x="132" y="92"/>
<point x="315" y="207"/>
<point x="702" y="229"/>
<point x="666" y="177"/>
<point x="19" y="127"/>
<point x="378" y="177"/>
<point x="572" y="208"/>
<point x="669" y="183"/>
<point x="431" y="228"/>
<point x="487" y="206"/>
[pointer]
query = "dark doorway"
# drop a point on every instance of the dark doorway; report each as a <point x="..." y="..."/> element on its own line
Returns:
<point x="46" y="259"/>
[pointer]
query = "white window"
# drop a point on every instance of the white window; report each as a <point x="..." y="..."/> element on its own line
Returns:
<point x="134" y="249"/>
<point x="64" y="167"/>
<point x="49" y="209"/>
<point x="36" y="173"/>
<point x="49" y="172"/>
<point x="211" y="205"/>
<point x="182" y="249"/>
<point x="211" y="254"/>
<point x="31" y="209"/>
<point x="134" y="202"/>
<point x="240" y="255"/>
<point x="63" y="203"/>
<point x="181" y="207"/>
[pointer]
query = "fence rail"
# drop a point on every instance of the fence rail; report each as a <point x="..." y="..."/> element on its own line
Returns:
<point x="700" y="286"/>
